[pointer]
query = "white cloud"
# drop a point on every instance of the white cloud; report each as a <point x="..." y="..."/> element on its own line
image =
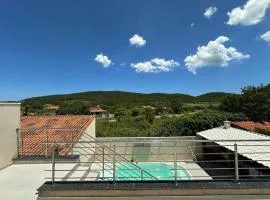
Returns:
<point x="192" y="24"/>
<point x="104" y="60"/>
<point x="210" y="11"/>
<point x="214" y="54"/>
<point x="155" y="65"/>
<point x="266" y="36"/>
<point x="137" y="40"/>
<point x="251" y="13"/>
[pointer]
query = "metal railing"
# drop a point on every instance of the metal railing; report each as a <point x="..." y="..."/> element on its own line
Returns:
<point x="173" y="159"/>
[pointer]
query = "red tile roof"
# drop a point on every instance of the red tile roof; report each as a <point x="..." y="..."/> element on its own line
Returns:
<point x="251" y="126"/>
<point x="52" y="107"/>
<point x="97" y="110"/>
<point x="35" y="130"/>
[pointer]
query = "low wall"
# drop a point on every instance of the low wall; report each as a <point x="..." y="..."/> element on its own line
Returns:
<point x="160" y="189"/>
<point x="86" y="150"/>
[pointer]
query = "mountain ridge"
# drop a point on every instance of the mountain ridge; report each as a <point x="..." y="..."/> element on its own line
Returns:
<point x="118" y="97"/>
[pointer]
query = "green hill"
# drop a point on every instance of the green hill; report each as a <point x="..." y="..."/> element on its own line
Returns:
<point x="213" y="96"/>
<point x="109" y="98"/>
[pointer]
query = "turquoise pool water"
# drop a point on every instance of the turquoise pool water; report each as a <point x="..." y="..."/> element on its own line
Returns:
<point x="161" y="171"/>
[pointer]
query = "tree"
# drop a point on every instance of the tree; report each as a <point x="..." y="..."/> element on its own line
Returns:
<point x="74" y="107"/>
<point x="254" y="102"/>
<point x="121" y="112"/>
<point x="27" y="109"/>
<point x="190" y="125"/>
<point x="176" y="105"/>
<point x="149" y="115"/>
<point x="159" y="109"/>
<point x="135" y="112"/>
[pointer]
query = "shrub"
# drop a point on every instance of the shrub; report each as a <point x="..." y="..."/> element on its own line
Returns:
<point x="198" y="122"/>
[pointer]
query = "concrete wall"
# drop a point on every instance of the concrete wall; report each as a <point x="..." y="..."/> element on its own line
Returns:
<point x="86" y="148"/>
<point x="153" y="150"/>
<point x="9" y="122"/>
<point x="91" y="129"/>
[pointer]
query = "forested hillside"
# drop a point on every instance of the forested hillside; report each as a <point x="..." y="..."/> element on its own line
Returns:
<point x="118" y="97"/>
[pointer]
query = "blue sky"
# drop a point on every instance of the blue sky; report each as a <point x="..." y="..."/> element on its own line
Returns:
<point x="51" y="47"/>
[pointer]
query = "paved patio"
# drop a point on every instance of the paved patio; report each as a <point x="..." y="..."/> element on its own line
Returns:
<point x="20" y="181"/>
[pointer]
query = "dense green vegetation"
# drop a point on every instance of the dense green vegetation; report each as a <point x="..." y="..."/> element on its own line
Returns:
<point x="189" y="125"/>
<point x="185" y="125"/>
<point x="254" y="102"/>
<point x="213" y="96"/>
<point x="115" y="99"/>
<point x="161" y="114"/>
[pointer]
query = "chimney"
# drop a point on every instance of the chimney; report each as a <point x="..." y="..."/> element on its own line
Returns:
<point x="227" y="124"/>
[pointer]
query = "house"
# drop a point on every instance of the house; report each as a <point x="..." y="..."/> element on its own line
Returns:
<point x="98" y="112"/>
<point x="252" y="126"/>
<point x="52" y="107"/>
<point x="35" y="131"/>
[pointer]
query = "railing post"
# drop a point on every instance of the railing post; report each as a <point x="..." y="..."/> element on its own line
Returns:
<point x="22" y="144"/>
<point x="114" y="163"/>
<point x="236" y="164"/>
<point x="53" y="164"/>
<point x="103" y="164"/>
<point x="71" y="143"/>
<point x="47" y="140"/>
<point x="18" y="141"/>
<point x="175" y="163"/>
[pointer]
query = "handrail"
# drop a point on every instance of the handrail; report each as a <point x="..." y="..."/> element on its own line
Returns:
<point x="127" y="161"/>
<point x="96" y="154"/>
<point x="182" y="140"/>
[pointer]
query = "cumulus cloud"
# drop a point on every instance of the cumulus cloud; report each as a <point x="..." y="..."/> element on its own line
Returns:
<point x="137" y="40"/>
<point x="104" y="60"/>
<point x="155" y="65"/>
<point x="210" y="11"/>
<point x="214" y="54"/>
<point x="251" y="13"/>
<point x="266" y="36"/>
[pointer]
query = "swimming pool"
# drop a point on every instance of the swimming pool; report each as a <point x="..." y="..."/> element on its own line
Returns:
<point x="161" y="171"/>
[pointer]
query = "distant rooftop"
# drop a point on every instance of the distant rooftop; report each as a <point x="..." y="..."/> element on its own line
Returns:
<point x="36" y="130"/>
<point x="97" y="109"/>
<point x="252" y="126"/>
<point x="52" y="107"/>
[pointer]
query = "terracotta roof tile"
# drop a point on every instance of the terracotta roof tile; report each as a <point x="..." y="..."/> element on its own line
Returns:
<point x="35" y="130"/>
<point x="251" y="126"/>
<point x="97" y="110"/>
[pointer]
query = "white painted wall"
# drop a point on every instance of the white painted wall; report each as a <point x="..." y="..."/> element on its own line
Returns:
<point x="91" y="129"/>
<point x="86" y="148"/>
<point x="9" y="122"/>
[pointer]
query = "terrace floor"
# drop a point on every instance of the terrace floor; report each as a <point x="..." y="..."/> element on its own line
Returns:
<point x="20" y="181"/>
